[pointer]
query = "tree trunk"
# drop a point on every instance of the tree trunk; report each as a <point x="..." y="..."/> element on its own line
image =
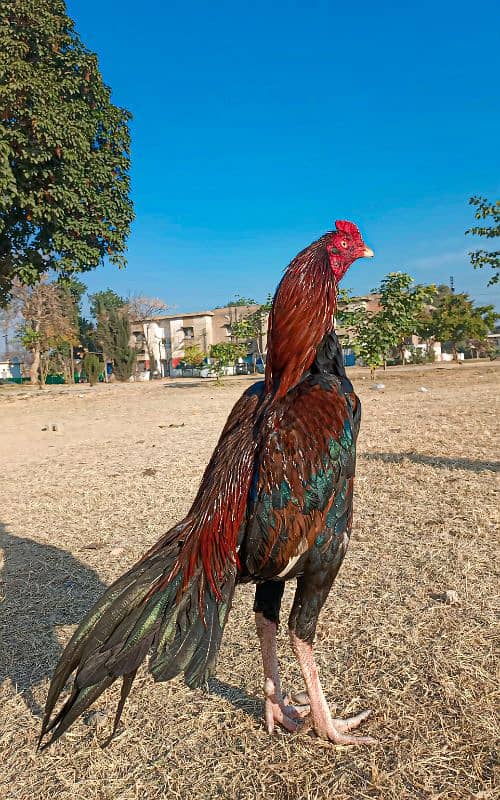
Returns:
<point x="44" y="369"/>
<point x="35" y="364"/>
<point x="151" y="359"/>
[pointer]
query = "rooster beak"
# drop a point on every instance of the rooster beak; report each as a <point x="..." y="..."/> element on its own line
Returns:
<point x="368" y="253"/>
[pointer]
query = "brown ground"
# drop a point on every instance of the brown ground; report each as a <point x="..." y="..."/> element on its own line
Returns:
<point x="80" y="504"/>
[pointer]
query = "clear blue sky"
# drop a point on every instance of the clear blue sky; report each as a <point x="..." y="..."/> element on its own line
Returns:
<point x="256" y="125"/>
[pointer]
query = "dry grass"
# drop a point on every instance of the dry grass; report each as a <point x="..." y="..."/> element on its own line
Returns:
<point x="80" y="504"/>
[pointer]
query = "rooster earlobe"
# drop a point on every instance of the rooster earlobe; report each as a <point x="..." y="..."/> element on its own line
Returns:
<point x="345" y="226"/>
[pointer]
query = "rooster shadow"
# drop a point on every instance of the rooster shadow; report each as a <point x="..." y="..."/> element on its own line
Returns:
<point x="43" y="588"/>
<point x="444" y="462"/>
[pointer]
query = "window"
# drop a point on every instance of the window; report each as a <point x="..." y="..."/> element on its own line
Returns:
<point x="188" y="333"/>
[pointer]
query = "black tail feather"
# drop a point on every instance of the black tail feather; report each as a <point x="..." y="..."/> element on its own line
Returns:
<point x="77" y="703"/>
<point x="181" y="625"/>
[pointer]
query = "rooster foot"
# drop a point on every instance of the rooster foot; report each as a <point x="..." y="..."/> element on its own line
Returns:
<point x="278" y="710"/>
<point x="338" y="730"/>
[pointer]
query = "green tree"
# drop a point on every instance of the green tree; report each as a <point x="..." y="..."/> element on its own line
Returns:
<point x="241" y="301"/>
<point x="402" y="304"/>
<point x="87" y="334"/>
<point x="113" y="336"/>
<point x="100" y="302"/>
<point x="105" y="299"/>
<point x="193" y="356"/>
<point x="486" y="210"/>
<point x="351" y="317"/>
<point x="64" y="150"/>
<point x="92" y="368"/>
<point x="456" y="321"/>
<point x="250" y="328"/>
<point x="372" y="341"/>
<point x="225" y="355"/>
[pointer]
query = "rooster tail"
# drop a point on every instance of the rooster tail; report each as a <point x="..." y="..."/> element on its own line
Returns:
<point x="163" y="606"/>
<point x="175" y="601"/>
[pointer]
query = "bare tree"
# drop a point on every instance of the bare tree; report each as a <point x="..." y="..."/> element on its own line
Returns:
<point x="49" y="326"/>
<point x="146" y="310"/>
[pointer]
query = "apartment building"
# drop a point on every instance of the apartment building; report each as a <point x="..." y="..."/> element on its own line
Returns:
<point x="166" y="337"/>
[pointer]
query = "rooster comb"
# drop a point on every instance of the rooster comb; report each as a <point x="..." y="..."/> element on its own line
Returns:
<point x="344" y="226"/>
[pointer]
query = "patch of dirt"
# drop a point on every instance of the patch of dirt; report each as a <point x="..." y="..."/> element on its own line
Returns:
<point x="80" y="504"/>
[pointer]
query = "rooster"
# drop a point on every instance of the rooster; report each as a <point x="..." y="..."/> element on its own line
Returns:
<point x="274" y="504"/>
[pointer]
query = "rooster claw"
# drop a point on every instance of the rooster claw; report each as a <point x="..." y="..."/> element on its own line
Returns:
<point x="339" y="729"/>
<point x="300" y="698"/>
<point x="279" y="710"/>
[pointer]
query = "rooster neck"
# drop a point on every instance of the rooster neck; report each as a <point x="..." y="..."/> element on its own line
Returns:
<point x="301" y="315"/>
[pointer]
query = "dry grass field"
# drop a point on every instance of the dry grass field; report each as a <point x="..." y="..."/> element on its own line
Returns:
<point x="80" y="504"/>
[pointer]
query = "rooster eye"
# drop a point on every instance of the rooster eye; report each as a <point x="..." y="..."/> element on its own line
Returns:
<point x="343" y="243"/>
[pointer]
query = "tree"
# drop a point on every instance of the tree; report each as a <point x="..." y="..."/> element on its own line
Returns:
<point x="239" y="301"/>
<point x="226" y="354"/>
<point x="456" y="320"/>
<point x="10" y="319"/>
<point x="484" y="258"/>
<point x="372" y="341"/>
<point x="372" y="335"/>
<point x="193" y="356"/>
<point x="75" y="289"/>
<point x="48" y="325"/>
<point x="64" y="150"/>
<point x="250" y="327"/>
<point x="87" y="334"/>
<point x="105" y="299"/>
<point x="402" y="304"/>
<point x="113" y="335"/>
<point x="351" y="317"/>
<point x="92" y="368"/>
<point x="146" y="310"/>
<point x="100" y="304"/>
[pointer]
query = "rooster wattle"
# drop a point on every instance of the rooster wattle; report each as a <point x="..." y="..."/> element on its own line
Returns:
<point x="274" y="504"/>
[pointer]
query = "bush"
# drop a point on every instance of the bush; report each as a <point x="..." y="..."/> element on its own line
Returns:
<point x="193" y="356"/>
<point x="92" y="368"/>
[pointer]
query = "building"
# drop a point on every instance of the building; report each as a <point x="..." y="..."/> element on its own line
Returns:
<point x="493" y="338"/>
<point x="11" y="369"/>
<point x="167" y="336"/>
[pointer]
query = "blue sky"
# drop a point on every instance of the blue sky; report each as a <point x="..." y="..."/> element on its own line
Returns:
<point x="256" y="125"/>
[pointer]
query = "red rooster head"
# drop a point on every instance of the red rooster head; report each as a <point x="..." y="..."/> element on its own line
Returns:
<point x="345" y="246"/>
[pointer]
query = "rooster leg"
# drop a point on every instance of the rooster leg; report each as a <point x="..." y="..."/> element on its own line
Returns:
<point x="336" y="730"/>
<point x="312" y="590"/>
<point x="277" y="708"/>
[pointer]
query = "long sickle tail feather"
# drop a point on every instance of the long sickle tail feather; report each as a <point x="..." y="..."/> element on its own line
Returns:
<point x="145" y="610"/>
<point x="175" y="601"/>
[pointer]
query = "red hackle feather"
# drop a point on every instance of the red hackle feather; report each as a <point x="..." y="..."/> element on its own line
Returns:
<point x="302" y="314"/>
